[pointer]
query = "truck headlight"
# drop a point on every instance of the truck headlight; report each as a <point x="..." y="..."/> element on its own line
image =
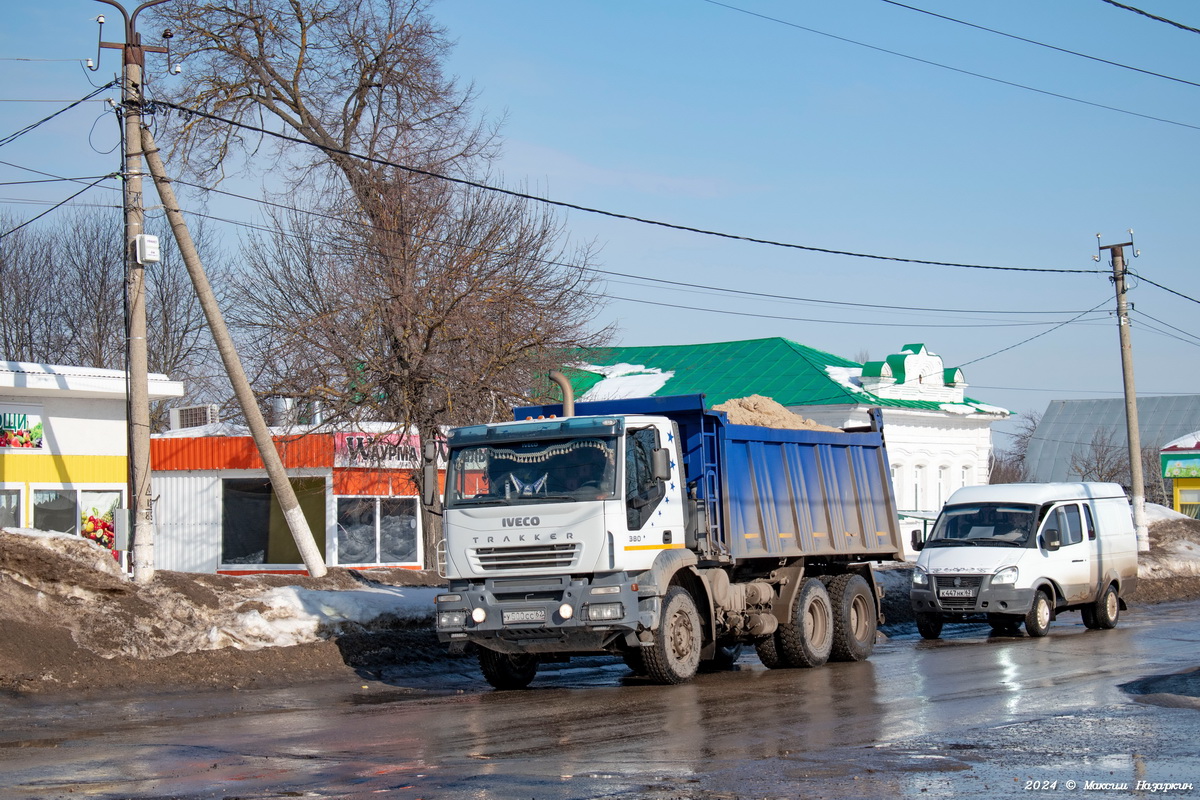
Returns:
<point x="451" y="619"/>
<point x="1006" y="575"/>
<point x="920" y="577"/>
<point x="603" y="611"/>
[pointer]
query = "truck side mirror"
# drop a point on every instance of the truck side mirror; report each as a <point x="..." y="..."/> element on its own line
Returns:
<point x="1051" y="539"/>
<point x="918" y="541"/>
<point x="429" y="486"/>
<point x="660" y="463"/>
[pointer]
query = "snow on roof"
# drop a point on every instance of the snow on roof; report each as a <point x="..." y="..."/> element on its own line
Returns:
<point x="1189" y="442"/>
<point x="27" y="379"/>
<point x="624" y="380"/>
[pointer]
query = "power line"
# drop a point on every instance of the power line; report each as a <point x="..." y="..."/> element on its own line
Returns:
<point x="1039" y="44"/>
<point x="612" y="214"/>
<point x="1031" y="338"/>
<point x="954" y="69"/>
<point x="56" y="205"/>
<point x="1144" y="279"/>
<point x="643" y="278"/>
<point x="1154" y="17"/>
<point x="1030" y="41"/>
<point x="14" y="136"/>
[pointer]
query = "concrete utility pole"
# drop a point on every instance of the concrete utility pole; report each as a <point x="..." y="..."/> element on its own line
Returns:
<point x="133" y="61"/>
<point x="1137" y="480"/>
<point x="297" y="523"/>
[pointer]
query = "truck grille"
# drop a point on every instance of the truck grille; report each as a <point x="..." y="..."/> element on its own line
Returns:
<point x="538" y="556"/>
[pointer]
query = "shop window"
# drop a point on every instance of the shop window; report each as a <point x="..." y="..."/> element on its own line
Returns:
<point x="10" y="508"/>
<point x="1189" y="502"/>
<point x="55" y="510"/>
<point x="253" y="528"/>
<point x="375" y="530"/>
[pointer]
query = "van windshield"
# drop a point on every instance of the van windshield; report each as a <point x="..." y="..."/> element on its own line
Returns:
<point x="985" y="524"/>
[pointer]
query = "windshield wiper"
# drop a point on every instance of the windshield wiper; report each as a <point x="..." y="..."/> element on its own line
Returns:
<point x="951" y="542"/>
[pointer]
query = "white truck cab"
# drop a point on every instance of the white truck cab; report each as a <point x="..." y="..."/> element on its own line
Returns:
<point x="1023" y="553"/>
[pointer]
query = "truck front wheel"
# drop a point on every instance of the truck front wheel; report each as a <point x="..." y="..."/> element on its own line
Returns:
<point x="674" y="655"/>
<point x="808" y="640"/>
<point x="506" y="670"/>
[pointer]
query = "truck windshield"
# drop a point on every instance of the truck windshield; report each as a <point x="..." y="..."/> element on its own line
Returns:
<point x="985" y="524"/>
<point x="521" y="473"/>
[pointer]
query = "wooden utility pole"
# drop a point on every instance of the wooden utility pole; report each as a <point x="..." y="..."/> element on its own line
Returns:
<point x="292" y="513"/>
<point x="133" y="62"/>
<point x="1137" y="480"/>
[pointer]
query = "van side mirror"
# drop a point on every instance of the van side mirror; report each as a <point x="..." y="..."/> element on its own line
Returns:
<point x="1051" y="539"/>
<point x="918" y="541"/>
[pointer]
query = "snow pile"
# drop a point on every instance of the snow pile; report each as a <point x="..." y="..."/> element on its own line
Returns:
<point x="292" y="615"/>
<point x="1174" y="544"/>
<point x="62" y="581"/>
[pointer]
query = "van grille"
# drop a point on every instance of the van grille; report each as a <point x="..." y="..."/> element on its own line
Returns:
<point x="957" y="582"/>
<point x="539" y="556"/>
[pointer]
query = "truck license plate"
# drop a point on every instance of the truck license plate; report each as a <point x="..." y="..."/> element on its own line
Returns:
<point x="526" y="615"/>
<point x="956" y="593"/>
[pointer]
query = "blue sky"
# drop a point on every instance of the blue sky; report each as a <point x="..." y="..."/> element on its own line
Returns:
<point x="733" y="118"/>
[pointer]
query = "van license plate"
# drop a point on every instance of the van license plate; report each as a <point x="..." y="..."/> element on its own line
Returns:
<point x="528" y="615"/>
<point x="956" y="593"/>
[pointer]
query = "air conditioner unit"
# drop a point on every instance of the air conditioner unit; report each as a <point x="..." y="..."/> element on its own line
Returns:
<point x="194" y="416"/>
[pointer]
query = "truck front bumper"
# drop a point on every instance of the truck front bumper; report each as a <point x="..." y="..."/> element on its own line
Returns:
<point x="545" y="614"/>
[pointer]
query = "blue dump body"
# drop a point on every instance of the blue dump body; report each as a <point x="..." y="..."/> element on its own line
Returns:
<point x="773" y="492"/>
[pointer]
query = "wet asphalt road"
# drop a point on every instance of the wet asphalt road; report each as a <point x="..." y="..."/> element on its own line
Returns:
<point x="967" y="716"/>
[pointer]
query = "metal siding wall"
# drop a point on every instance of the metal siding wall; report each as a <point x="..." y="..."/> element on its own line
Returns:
<point x="187" y="521"/>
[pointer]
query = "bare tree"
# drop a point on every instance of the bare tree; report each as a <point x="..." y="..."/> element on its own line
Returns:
<point x="1008" y="465"/>
<point x="1102" y="459"/>
<point x="70" y="309"/>
<point x="421" y="301"/>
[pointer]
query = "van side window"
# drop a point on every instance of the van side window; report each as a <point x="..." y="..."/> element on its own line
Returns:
<point x="1087" y="519"/>
<point x="1073" y="532"/>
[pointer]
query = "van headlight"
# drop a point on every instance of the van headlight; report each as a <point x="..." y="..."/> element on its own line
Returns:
<point x="920" y="577"/>
<point x="1008" y="575"/>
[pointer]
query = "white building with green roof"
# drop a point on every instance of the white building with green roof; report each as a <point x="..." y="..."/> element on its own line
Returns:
<point x="938" y="440"/>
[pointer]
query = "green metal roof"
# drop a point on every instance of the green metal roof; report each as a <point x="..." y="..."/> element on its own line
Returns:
<point x="790" y="373"/>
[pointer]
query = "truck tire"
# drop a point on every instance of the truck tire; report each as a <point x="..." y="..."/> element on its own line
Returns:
<point x="1108" y="608"/>
<point x="1037" y="621"/>
<point x="506" y="670"/>
<point x="768" y="652"/>
<point x="808" y="639"/>
<point x="674" y="656"/>
<point x="854" y="617"/>
<point x="929" y="625"/>
<point x="633" y="659"/>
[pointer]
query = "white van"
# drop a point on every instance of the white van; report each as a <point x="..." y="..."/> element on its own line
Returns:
<point x="1025" y="552"/>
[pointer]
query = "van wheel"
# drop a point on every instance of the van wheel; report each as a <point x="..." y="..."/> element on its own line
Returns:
<point x="854" y="618"/>
<point x="929" y="625"/>
<point x="507" y="671"/>
<point x="1108" y="608"/>
<point x="1089" y="617"/>
<point x="1037" y="621"/>
<point x="808" y="641"/>
<point x="675" y="654"/>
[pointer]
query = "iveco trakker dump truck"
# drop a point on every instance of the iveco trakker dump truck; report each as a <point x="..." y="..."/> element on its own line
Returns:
<point x="655" y="530"/>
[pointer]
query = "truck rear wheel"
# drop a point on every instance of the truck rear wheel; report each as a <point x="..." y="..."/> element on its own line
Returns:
<point x="674" y="656"/>
<point x="854" y="617"/>
<point x="808" y="639"/>
<point x="507" y="670"/>
<point x="768" y="652"/>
